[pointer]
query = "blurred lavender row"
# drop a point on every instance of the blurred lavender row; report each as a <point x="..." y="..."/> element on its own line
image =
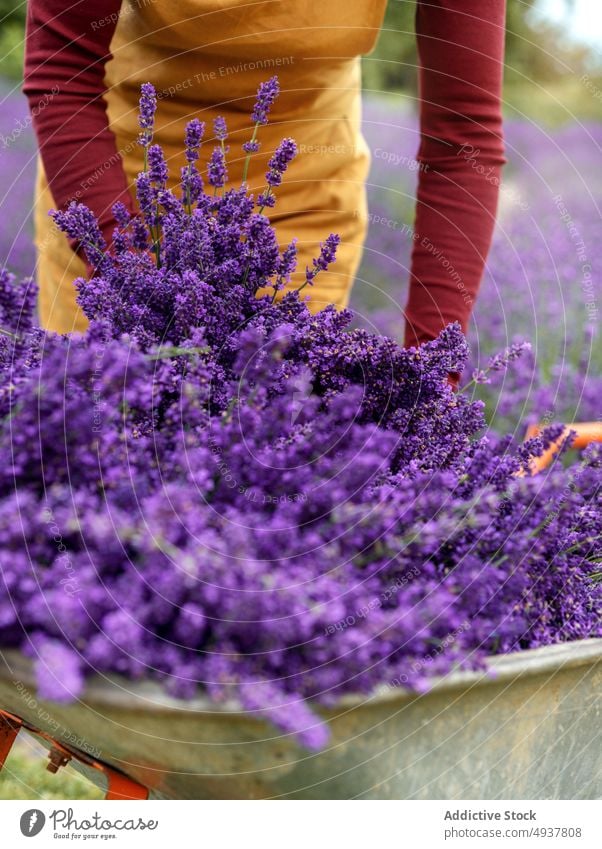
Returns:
<point x="17" y="177"/>
<point x="542" y="282"/>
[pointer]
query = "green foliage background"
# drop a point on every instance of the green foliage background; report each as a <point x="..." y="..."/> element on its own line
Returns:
<point x="542" y="77"/>
<point x="12" y="27"/>
<point x="25" y="776"/>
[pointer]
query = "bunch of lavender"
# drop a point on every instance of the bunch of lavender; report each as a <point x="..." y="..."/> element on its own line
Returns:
<point x="214" y="488"/>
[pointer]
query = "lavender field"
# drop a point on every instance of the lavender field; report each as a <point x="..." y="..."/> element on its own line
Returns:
<point x="17" y="176"/>
<point x="543" y="277"/>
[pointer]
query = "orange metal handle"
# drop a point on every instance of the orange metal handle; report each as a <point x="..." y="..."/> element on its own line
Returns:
<point x="583" y="434"/>
<point x="119" y="786"/>
<point x="9" y="728"/>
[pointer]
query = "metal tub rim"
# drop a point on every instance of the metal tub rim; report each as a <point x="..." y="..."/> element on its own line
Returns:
<point x="115" y="691"/>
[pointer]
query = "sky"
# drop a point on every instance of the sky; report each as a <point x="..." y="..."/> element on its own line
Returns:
<point x="582" y="19"/>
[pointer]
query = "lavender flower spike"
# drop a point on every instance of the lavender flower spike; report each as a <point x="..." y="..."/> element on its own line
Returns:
<point x="328" y="250"/>
<point x="79" y="223"/>
<point x="148" y="108"/>
<point x="195" y="130"/>
<point x="501" y="361"/>
<point x="216" y="170"/>
<point x="284" y="155"/>
<point x="157" y="166"/>
<point x="220" y="129"/>
<point x="266" y="95"/>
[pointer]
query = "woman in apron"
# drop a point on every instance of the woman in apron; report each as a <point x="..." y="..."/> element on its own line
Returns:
<point x="85" y="62"/>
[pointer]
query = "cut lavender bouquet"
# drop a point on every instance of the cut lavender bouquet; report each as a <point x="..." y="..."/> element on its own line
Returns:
<point x="221" y="490"/>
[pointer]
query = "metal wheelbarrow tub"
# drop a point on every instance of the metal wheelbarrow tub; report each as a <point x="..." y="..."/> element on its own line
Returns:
<point x="530" y="728"/>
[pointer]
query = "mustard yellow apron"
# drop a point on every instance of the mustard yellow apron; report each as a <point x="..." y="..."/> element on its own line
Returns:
<point x="206" y="58"/>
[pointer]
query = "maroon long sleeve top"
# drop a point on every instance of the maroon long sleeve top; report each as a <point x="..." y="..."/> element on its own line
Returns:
<point x="460" y="46"/>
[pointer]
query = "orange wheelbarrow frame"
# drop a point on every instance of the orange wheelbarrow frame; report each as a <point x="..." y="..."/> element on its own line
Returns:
<point x="119" y="786"/>
<point x="584" y="433"/>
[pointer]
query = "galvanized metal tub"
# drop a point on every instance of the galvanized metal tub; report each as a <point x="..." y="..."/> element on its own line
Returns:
<point x="530" y="730"/>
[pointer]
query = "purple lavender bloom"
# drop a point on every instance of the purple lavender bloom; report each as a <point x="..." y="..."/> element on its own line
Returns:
<point x="80" y="224"/>
<point x="121" y="214"/>
<point x="328" y="251"/>
<point x="217" y="174"/>
<point x="288" y="263"/>
<point x="279" y="162"/>
<point x="479" y="376"/>
<point x="251" y="147"/>
<point x="220" y="129"/>
<point x="191" y="183"/>
<point x="501" y="361"/>
<point x="157" y="167"/>
<point x="146" y="117"/>
<point x="266" y="95"/>
<point x="139" y="235"/>
<point x="266" y="199"/>
<point x="144" y="193"/>
<point x="17" y="304"/>
<point x="195" y="130"/>
<point x="59" y="671"/>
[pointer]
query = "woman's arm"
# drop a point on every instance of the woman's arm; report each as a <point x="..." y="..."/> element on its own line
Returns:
<point x="461" y="51"/>
<point x="67" y="47"/>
